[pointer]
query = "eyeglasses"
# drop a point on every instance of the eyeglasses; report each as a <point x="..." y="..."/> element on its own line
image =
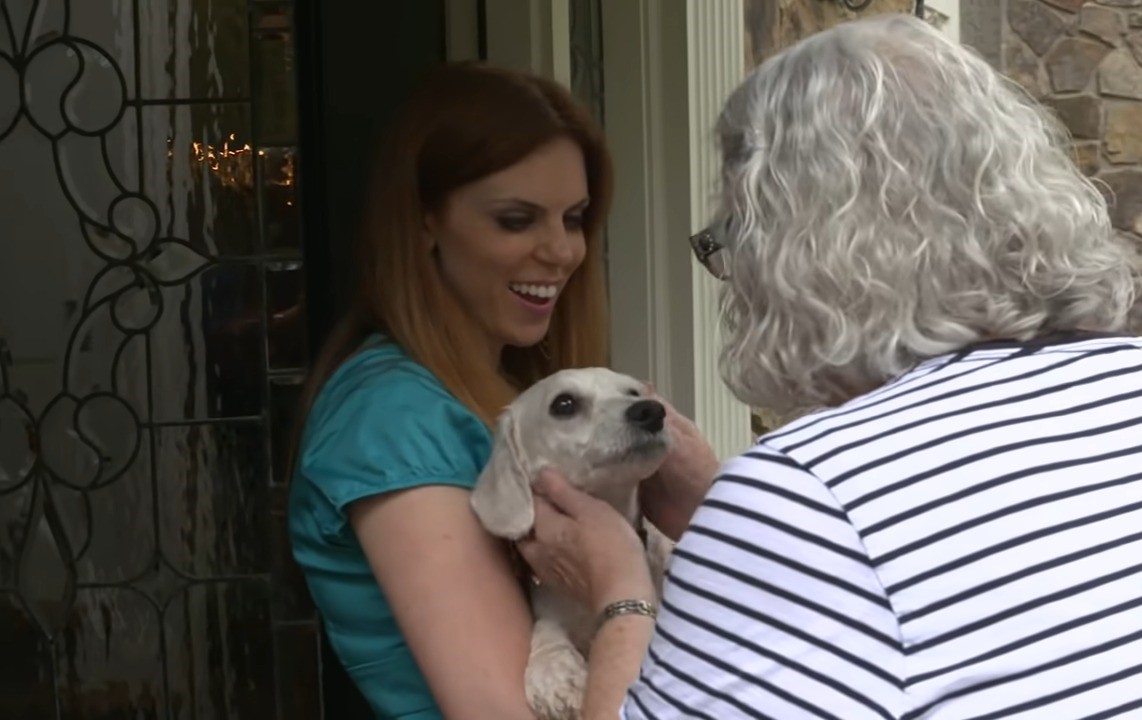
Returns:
<point x="710" y="250"/>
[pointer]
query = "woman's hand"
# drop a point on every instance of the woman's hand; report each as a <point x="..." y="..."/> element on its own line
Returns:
<point x="670" y="496"/>
<point x="584" y="545"/>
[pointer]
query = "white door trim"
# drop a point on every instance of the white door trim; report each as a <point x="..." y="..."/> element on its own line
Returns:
<point x="531" y="35"/>
<point x="667" y="67"/>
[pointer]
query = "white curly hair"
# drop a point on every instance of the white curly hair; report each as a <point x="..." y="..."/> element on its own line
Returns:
<point x="888" y="197"/>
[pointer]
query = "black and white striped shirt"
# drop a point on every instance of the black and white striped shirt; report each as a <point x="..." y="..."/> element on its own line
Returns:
<point x="965" y="542"/>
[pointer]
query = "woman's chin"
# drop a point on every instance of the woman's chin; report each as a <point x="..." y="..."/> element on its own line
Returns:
<point x="529" y="339"/>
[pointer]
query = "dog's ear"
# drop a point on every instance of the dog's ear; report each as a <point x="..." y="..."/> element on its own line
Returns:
<point x="502" y="497"/>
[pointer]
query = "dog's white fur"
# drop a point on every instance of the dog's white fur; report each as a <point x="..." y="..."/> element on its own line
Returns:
<point x="603" y="452"/>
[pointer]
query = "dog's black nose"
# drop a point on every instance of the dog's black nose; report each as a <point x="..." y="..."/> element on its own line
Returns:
<point x="649" y="415"/>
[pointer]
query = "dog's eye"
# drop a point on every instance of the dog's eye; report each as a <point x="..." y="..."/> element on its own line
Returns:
<point x="634" y="392"/>
<point x="564" y="405"/>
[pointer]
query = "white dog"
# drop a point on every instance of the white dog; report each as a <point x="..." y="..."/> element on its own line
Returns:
<point x="599" y="429"/>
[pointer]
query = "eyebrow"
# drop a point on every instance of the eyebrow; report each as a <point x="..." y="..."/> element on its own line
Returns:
<point x="582" y="204"/>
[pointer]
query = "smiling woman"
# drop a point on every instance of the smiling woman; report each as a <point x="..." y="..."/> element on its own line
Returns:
<point x="507" y="244"/>
<point x="481" y="273"/>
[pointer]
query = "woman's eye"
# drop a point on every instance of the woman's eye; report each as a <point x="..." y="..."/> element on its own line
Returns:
<point x="514" y="223"/>
<point x="573" y="222"/>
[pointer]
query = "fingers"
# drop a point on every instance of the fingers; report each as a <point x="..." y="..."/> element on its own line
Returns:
<point x="531" y="552"/>
<point x="540" y="545"/>
<point x="549" y="523"/>
<point x="545" y="513"/>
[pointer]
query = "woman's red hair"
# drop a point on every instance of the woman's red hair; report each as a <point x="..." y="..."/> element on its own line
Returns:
<point x="467" y="121"/>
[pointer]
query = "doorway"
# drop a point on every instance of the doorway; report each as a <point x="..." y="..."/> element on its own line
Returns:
<point x="175" y="230"/>
<point x="181" y="181"/>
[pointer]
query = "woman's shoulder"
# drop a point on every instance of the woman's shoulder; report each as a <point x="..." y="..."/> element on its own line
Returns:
<point x="384" y="422"/>
<point x="382" y="369"/>
<point x="382" y="382"/>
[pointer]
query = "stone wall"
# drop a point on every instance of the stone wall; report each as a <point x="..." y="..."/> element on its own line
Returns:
<point x="772" y="25"/>
<point x="1084" y="60"/>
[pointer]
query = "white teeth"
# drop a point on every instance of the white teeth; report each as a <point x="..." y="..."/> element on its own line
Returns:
<point x="539" y="291"/>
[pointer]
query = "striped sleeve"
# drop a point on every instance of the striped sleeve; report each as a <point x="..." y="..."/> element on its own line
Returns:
<point x="771" y="609"/>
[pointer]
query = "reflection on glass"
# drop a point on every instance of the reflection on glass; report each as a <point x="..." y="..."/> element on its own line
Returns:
<point x="275" y="88"/>
<point x="194" y="49"/>
<point x="280" y="218"/>
<point x="213" y="500"/>
<point x="114" y="649"/>
<point x="587" y="54"/>
<point x="209" y="345"/>
<point x="285" y="392"/>
<point x="199" y="168"/>
<point x="25" y="665"/>
<point x="285" y="297"/>
<point x="220" y="633"/>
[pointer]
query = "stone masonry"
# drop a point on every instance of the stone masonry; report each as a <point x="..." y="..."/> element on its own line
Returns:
<point x="773" y="25"/>
<point x="1084" y="60"/>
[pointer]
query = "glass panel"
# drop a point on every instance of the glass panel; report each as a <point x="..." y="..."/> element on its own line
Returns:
<point x="194" y="48"/>
<point x="107" y="25"/>
<point x="275" y="89"/>
<point x="587" y="54"/>
<point x="17" y="455"/>
<point x="285" y="298"/>
<point x="9" y="92"/>
<point x="199" y="168"/>
<point x="119" y="506"/>
<point x="285" y="392"/>
<point x="207" y="346"/>
<point x="140" y="545"/>
<point x="15" y="514"/>
<point x="213" y="495"/>
<point x="280" y="219"/>
<point x="110" y="661"/>
<point x="220" y="644"/>
<point x="26" y="678"/>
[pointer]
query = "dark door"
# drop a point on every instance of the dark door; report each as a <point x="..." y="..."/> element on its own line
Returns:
<point x="155" y="251"/>
<point x="359" y="61"/>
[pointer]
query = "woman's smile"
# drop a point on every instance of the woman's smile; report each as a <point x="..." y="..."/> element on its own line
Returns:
<point x="536" y="297"/>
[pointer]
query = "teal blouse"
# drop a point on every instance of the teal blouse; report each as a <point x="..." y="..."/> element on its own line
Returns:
<point x="381" y="423"/>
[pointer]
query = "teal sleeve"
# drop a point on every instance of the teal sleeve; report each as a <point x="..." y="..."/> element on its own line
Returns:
<point x="379" y="427"/>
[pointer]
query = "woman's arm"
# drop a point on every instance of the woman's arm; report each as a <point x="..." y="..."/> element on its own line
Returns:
<point x="616" y="655"/>
<point x="585" y="546"/>
<point x="454" y="596"/>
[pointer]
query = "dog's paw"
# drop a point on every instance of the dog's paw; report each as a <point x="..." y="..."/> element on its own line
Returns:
<point x="555" y="681"/>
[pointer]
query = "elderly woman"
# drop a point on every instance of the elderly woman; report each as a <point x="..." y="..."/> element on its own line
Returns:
<point x="955" y="531"/>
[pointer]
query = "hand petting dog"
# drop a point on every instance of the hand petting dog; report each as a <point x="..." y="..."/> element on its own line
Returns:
<point x="670" y="496"/>
<point x="583" y="546"/>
